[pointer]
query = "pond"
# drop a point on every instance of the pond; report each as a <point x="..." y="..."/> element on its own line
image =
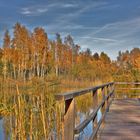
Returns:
<point x="35" y="117"/>
<point x="32" y="117"/>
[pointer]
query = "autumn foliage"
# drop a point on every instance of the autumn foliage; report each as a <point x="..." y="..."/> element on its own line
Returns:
<point x="31" y="54"/>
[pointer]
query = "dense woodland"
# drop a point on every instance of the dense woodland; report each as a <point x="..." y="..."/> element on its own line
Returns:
<point x="28" y="54"/>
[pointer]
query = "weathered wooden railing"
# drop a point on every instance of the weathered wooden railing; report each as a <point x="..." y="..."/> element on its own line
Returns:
<point x="127" y="89"/>
<point x="69" y="129"/>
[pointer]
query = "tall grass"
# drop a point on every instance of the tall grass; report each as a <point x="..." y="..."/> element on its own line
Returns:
<point x="30" y="110"/>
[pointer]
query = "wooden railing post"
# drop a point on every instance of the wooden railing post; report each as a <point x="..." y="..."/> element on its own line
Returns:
<point x="103" y="93"/>
<point x="69" y="120"/>
<point x="108" y="99"/>
<point x="95" y="104"/>
<point x="113" y="88"/>
<point x="103" y="97"/>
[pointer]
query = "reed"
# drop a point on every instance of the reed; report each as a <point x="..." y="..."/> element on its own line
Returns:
<point x="30" y="110"/>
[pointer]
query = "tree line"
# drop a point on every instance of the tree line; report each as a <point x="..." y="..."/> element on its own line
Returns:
<point x="31" y="54"/>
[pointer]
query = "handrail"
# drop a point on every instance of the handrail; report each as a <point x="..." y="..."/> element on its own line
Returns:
<point x="127" y="83"/>
<point x="93" y="135"/>
<point x="73" y="94"/>
<point x="92" y="116"/>
<point x="69" y="129"/>
<point x="129" y="89"/>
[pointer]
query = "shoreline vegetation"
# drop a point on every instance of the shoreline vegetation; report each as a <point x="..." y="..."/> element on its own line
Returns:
<point x="33" y="69"/>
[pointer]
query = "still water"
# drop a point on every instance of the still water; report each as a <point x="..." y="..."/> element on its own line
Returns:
<point x="28" y="116"/>
<point x="86" y="133"/>
<point x="1" y="129"/>
<point x="82" y="136"/>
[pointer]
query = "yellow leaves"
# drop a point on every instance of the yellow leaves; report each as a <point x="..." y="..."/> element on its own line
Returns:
<point x="32" y="54"/>
<point x="137" y="62"/>
<point x="40" y="39"/>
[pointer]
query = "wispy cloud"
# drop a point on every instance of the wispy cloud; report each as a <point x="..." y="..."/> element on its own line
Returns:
<point x="65" y="21"/>
<point x="107" y="6"/>
<point x="112" y="37"/>
<point x="34" y="10"/>
<point x="120" y="30"/>
<point x="26" y="11"/>
<point x="99" y="39"/>
<point x="100" y="25"/>
<point x="69" y="5"/>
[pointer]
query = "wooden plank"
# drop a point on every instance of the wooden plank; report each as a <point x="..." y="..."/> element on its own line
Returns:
<point x="123" y="121"/>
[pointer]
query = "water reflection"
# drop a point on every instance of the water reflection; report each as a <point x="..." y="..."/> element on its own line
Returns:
<point x="35" y="117"/>
<point x="86" y="108"/>
<point x="29" y="117"/>
<point x="86" y="133"/>
<point x="1" y="129"/>
<point x="99" y="115"/>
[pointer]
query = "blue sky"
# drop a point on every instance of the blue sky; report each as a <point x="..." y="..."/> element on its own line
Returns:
<point x="101" y="25"/>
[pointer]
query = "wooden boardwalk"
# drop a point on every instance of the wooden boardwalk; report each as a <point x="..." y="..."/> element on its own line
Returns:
<point x="122" y="122"/>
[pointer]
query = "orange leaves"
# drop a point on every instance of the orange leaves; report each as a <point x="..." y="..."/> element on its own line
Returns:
<point x="129" y="65"/>
<point x="137" y="62"/>
<point x="33" y="54"/>
<point x="40" y="39"/>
